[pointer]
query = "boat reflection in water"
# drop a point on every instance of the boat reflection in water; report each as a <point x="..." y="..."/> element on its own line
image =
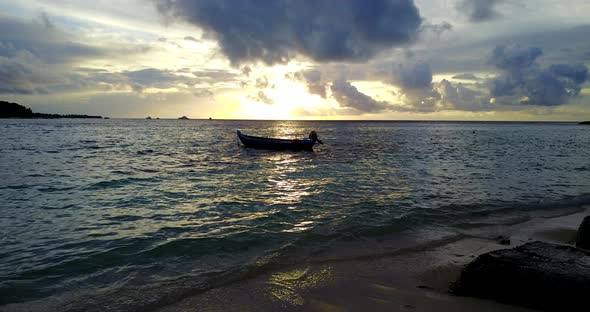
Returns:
<point x="280" y="144"/>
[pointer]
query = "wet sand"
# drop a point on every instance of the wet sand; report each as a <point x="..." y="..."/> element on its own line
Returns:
<point x="376" y="278"/>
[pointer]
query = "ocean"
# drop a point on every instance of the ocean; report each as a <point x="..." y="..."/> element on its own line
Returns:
<point x="121" y="208"/>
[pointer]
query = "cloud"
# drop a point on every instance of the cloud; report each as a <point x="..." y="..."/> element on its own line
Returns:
<point x="314" y="82"/>
<point x="523" y="81"/>
<point x="412" y="75"/>
<point x="216" y="75"/>
<point x="46" y="21"/>
<point x="577" y="72"/>
<point x="262" y="83"/>
<point x="478" y="10"/>
<point x="23" y="73"/>
<point x="36" y="57"/>
<point x="261" y="97"/>
<point x="43" y="40"/>
<point x="203" y="93"/>
<point x="348" y="96"/>
<point x="459" y="97"/>
<point x="514" y="57"/>
<point x="466" y="76"/>
<point x="246" y="70"/>
<point x="276" y="31"/>
<point x="191" y="38"/>
<point x="437" y="29"/>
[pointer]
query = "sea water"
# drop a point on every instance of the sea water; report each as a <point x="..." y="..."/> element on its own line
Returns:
<point x="171" y="207"/>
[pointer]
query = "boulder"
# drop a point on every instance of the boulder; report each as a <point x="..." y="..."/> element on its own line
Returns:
<point x="537" y="275"/>
<point x="583" y="237"/>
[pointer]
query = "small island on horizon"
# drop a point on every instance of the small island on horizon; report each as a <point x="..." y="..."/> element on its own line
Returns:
<point x="15" y="110"/>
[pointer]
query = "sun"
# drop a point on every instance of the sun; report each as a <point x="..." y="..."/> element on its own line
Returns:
<point x="286" y="99"/>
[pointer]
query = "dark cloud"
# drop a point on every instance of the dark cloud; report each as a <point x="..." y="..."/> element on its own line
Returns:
<point x="412" y="75"/>
<point x="203" y="93"/>
<point x="348" y="96"/>
<point x="262" y="83"/>
<point x="522" y="80"/>
<point x="514" y="57"/>
<point x="46" y="21"/>
<point x="38" y="57"/>
<point x="459" y="97"/>
<point x="24" y="74"/>
<point x="191" y="38"/>
<point x="43" y="40"/>
<point x="261" y="97"/>
<point x="216" y="75"/>
<point x="246" y="70"/>
<point x="437" y="29"/>
<point x="478" y="10"/>
<point x="577" y="72"/>
<point x="466" y="76"/>
<point x="275" y="31"/>
<point x="314" y="82"/>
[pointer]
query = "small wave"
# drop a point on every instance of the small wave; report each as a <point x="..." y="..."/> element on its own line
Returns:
<point x="148" y="170"/>
<point x="125" y="218"/>
<point x="52" y="189"/>
<point x="508" y="221"/>
<point x="58" y="207"/>
<point x="93" y="235"/>
<point x="35" y="175"/>
<point x="122" y="172"/>
<point x="16" y="187"/>
<point x="118" y="183"/>
<point x="145" y="152"/>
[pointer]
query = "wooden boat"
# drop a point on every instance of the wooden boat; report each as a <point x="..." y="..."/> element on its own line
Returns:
<point x="280" y="144"/>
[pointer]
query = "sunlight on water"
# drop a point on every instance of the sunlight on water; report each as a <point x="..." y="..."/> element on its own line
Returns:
<point x="288" y="285"/>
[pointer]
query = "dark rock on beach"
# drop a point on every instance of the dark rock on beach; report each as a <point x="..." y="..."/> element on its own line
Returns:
<point x="583" y="237"/>
<point x="537" y="275"/>
<point x="585" y="123"/>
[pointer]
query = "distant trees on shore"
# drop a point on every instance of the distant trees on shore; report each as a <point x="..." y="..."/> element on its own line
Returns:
<point x="14" y="110"/>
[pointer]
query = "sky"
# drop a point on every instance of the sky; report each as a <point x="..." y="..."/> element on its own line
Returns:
<point x="299" y="59"/>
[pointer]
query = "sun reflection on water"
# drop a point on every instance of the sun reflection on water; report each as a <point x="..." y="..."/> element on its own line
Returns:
<point x="288" y="286"/>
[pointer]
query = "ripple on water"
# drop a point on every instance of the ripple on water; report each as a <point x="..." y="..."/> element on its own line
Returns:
<point x="118" y="183"/>
<point x="136" y="203"/>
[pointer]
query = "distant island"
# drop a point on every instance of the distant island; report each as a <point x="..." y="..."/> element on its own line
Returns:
<point x="14" y="110"/>
<point x="183" y="118"/>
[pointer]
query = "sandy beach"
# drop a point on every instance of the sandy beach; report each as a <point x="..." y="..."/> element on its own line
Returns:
<point x="409" y="278"/>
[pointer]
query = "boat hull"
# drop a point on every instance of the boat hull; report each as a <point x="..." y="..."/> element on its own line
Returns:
<point x="276" y="144"/>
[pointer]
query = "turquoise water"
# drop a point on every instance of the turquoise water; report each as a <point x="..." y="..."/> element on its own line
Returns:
<point x="178" y="206"/>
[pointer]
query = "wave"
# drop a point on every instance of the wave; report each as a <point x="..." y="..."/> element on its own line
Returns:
<point x="117" y="183"/>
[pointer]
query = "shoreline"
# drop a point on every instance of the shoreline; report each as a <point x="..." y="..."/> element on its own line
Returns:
<point x="407" y="279"/>
<point x="401" y="272"/>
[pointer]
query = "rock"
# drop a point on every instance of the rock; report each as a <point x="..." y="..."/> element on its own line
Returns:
<point x="536" y="275"/>
<point x="503" y="240"/>
<point x="585" y="123"/>
<point x="583" y="237"/>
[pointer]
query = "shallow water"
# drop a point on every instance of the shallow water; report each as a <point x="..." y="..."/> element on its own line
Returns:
<point x="91" y="205"/>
